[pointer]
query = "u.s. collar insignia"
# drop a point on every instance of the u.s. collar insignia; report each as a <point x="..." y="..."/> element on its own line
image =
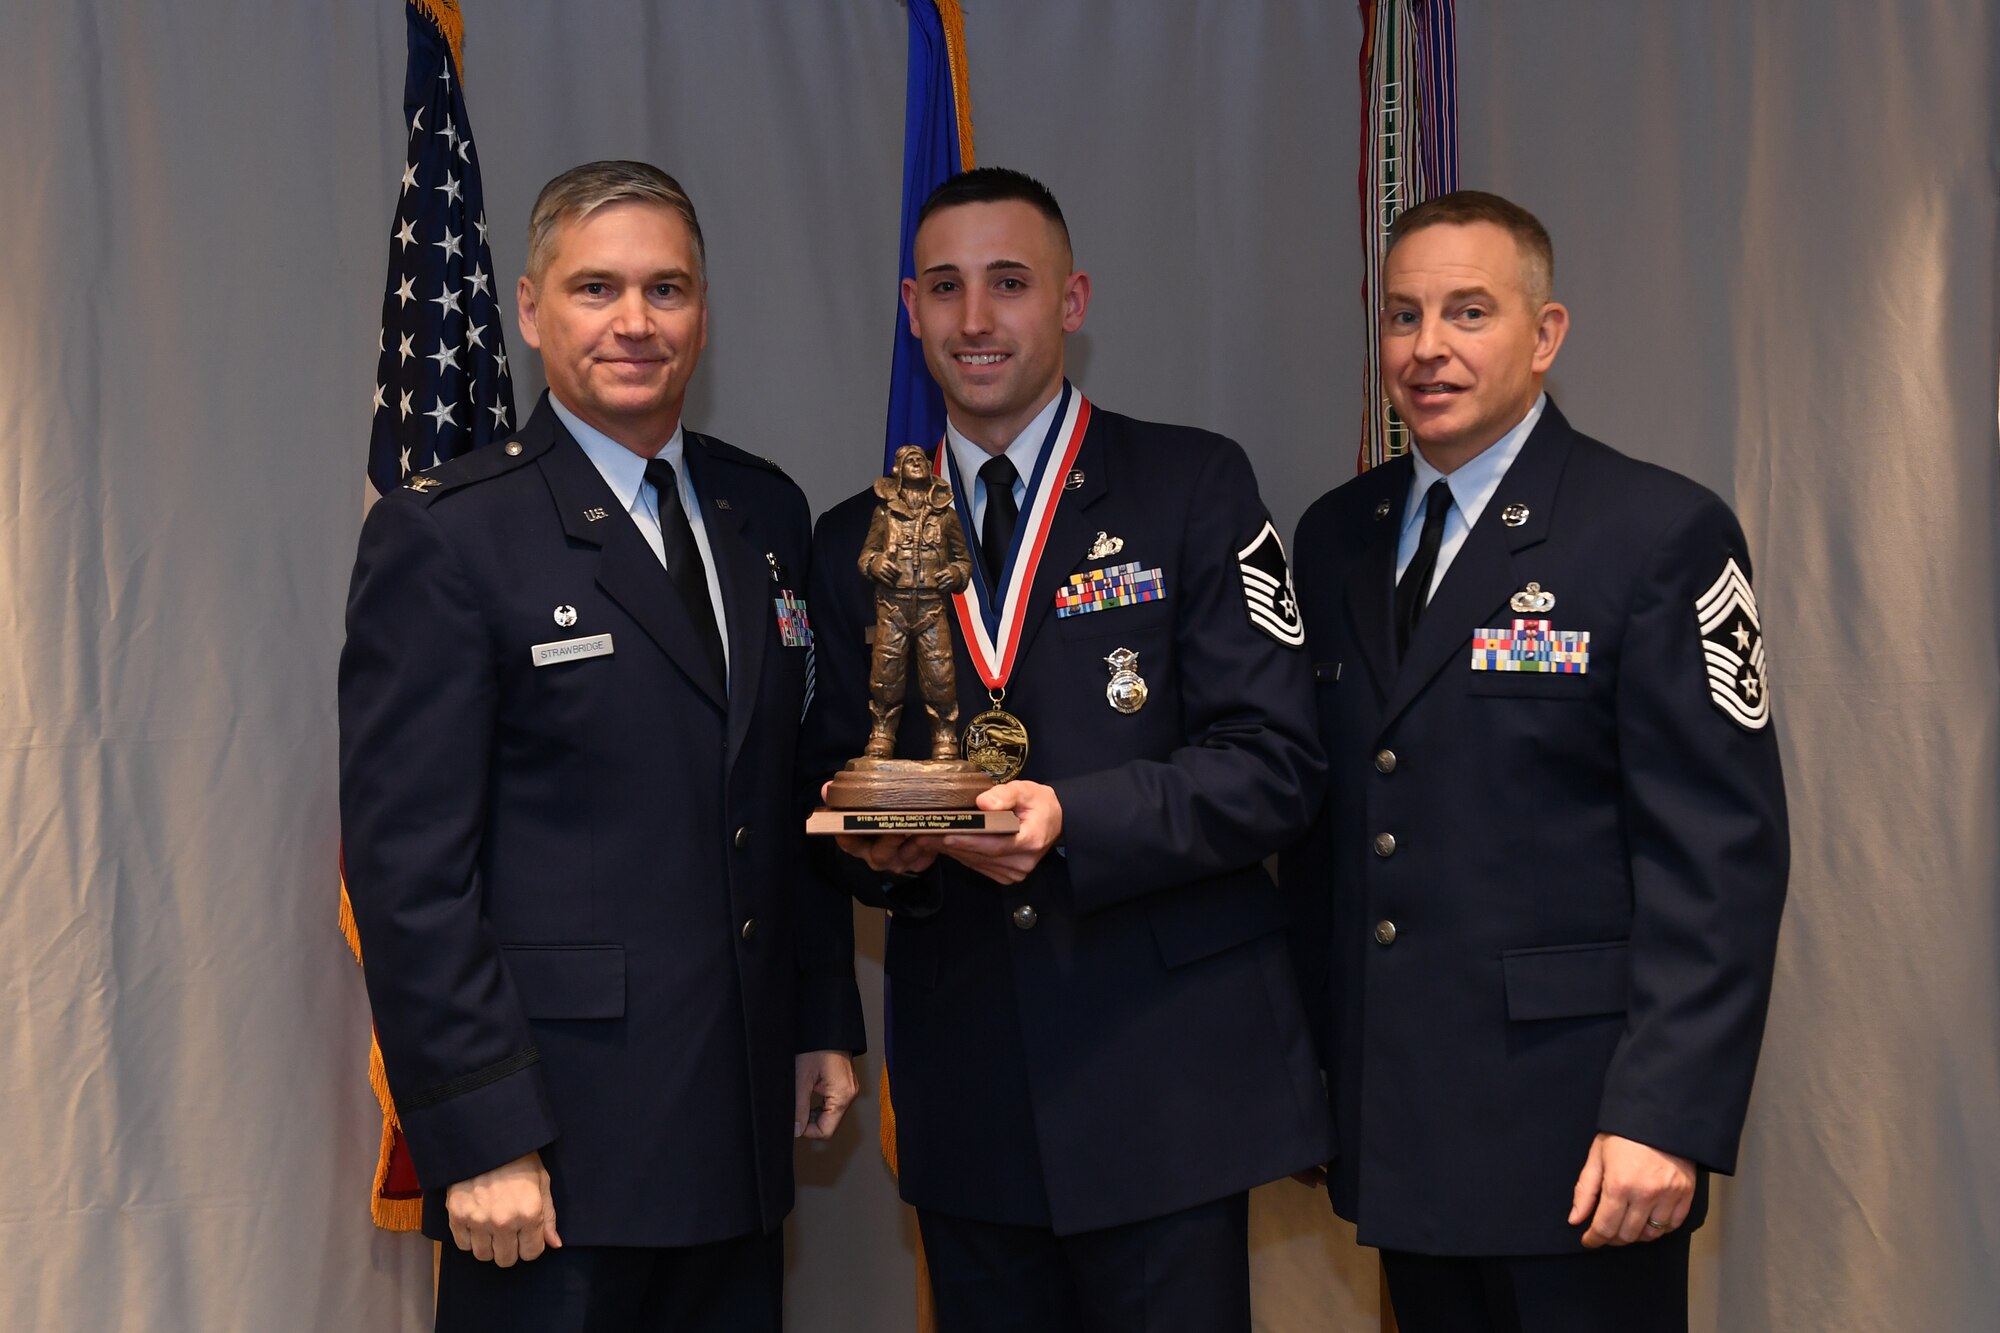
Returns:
<point x="420" y="483"/>
<point x="1103" y="546"/>
<point x="595" y="514"/>
<point x="1732" y="643"/>
<point x="721" y="503"/>
<point x="1267" y="588"/>
<point x="1381" y="509"/>
<point x="1514" y="515"/>
<point x="1531" y="600"/>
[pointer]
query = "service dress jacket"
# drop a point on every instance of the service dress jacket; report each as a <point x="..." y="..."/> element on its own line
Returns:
<point x="574" y="852"/>
<point x="1537" y="904"/>
<point x="1119" y="1036"/>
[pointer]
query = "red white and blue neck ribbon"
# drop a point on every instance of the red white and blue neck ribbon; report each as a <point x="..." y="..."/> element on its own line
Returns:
<point x="990" y="626"/>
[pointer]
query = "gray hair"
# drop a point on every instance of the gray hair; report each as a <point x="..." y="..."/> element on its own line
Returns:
<point x="581" y="191"/>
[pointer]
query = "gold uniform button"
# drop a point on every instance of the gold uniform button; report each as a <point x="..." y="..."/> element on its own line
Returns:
<point x="750" y="929"/>
<point x="1025" y="917"/>
<point x="1385" y="761"/>
<point x="1385" y="844"/>
<point x="1385" y="931"/>
<point x="513" y="448"/>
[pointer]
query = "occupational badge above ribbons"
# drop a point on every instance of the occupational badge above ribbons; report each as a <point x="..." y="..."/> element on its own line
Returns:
<point x="916" y="556"/>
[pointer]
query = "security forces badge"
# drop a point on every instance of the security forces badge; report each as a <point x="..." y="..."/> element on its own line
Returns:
<point x="1267" y="588"/>
<point x="1732" y="643"/>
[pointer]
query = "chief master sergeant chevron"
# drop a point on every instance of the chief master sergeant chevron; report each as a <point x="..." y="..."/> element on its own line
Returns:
<point x="569" y="707"/>
<point x="1540" y="908"/>
<point x="1096" y="1040"/>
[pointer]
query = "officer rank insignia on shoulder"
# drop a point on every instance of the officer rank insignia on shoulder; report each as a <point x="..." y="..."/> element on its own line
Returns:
<point x="1733" y="645"/>
<point x="1267" y="588"/>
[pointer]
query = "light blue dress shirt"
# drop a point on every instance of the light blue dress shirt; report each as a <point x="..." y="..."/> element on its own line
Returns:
<point x="625" y="473"/>
<point x="1022" y="453"/>
<point x="1472" y="487"/>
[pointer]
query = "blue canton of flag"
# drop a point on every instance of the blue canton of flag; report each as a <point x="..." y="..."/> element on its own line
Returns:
<point x="441" y="384"/>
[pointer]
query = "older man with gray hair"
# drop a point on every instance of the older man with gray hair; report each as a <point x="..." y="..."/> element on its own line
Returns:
<point x="604" y="987"/>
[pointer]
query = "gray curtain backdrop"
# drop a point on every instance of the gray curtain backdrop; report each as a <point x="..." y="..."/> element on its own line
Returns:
<point x="1776" y="228"/>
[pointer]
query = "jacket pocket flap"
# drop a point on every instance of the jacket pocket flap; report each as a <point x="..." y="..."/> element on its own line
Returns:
<point x="1569" y="981"/>
<point x="1202" y="920"/>
<point x="568" y="980"/>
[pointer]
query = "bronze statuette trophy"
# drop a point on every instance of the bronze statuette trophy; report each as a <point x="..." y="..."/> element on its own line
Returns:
<point x="917" y="558"/>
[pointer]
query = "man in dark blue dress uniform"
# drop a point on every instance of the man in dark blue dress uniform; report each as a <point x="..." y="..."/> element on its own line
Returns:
<point x="603" y="981"/>
<point x="1539" y="911"/>
<point x="1096" y="1040"/>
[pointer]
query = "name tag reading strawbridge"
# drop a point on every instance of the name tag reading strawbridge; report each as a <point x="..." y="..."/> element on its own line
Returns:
<point x="571" y="650"/>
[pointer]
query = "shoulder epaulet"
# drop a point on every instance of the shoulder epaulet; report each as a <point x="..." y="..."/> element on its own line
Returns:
<point x="496" y="459"/>
<point x="729" y="453"/>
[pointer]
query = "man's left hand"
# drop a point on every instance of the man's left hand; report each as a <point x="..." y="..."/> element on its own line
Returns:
<point x="1629" y="1192"/>
<point x="1010" y="859"/>
<point x="829" y="1075"/>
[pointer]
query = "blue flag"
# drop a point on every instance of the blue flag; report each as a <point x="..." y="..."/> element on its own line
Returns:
<point x="937" y="145"/>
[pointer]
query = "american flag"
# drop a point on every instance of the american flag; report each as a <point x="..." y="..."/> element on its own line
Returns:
<point x="441" y="383"/>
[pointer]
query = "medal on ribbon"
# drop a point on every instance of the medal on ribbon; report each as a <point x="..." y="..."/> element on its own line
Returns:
<point x="991" y="621"/>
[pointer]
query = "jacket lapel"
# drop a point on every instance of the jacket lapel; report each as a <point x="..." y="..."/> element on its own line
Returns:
<point x="745" y="576"/>
<point x="1371" y="592"/>
<point x="1070" y="531"/>
<point x="627" y="570"/>
<point x="1475" y="590"/>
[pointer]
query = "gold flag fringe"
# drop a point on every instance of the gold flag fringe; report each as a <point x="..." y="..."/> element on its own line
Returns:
<point x="389" y="1214"/>
<point x="444" y="13"/>
<point x="953" y="21"/>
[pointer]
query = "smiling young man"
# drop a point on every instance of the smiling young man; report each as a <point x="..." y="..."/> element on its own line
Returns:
<point x="569" y="704"/>
<point x="1098" y="1042"/>
<point x="1539" y="910"/>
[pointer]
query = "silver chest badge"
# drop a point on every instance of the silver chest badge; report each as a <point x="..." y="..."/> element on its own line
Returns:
<point x="1127" y="691"/>
<point x="1531" y="600"/>
<point x="1105" y="545"/>
<point x="565" y="616"/>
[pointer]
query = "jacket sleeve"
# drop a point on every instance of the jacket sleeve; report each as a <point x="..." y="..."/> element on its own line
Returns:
<point x="1250" y="774"/>
<point x="418" y="690"/>
<point x="1704" y="808"/>
<point x="829" y="1014"/>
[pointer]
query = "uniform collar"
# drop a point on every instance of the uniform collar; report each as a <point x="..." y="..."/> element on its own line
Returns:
<point x="1472" y="485"/>
<point x="623" y="471"/>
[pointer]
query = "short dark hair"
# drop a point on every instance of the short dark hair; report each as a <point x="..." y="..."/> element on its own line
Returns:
<point x="1463" y="208"/>
<point x="993" y="185"/>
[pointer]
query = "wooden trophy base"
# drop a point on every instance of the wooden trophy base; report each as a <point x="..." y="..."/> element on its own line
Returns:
<point x="909" y="796"/>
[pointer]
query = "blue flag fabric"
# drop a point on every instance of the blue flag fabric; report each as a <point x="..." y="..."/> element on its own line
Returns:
<point x="930" y="157"/>
<point x="441" y="383"/>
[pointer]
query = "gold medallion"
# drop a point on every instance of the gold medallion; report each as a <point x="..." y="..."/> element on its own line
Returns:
<point x="997" y="741"/>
